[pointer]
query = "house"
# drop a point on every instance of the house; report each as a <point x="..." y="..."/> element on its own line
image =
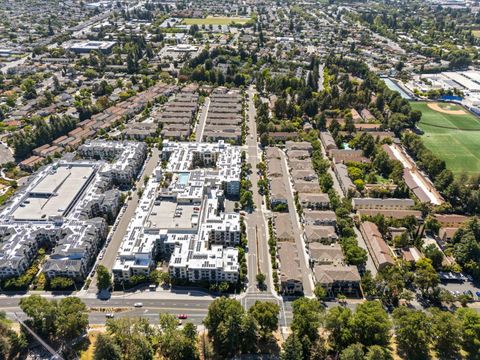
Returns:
<point x="300" y="165"/>
<point x="338" y="279"/>
<point x="320" y="233"/>
<point x="307" y="175"/>
<point x="384" y="204"/>
<point x="355" y="116"/>
<point x="320" y="217"/>
<point x="451" y="220"/>
<point x="273" y="152"/>
<point x="314" y="200"/>
<point x="322" y="254"/>
<point x="278" y="193"/>
<point x="367" y="115"/>
<point x="378" y="248"/>
<point x="298" y="145"/>
<point x="29" y="164"/>
<point x="290" y="274"/>
<point x="274" y="168"/>
<point x="283" y="227"/>
<point x="371" y="128"/>
<point x="307" y="186"/>
<point x="328" y="141"/>
<point x="298" y="154"/>
<point x="446" y="234"/>
<point x="282" y="136"/>
<point x="392" y="214"/>
<point x="346" y="156"/>
<point x="344" y="180"/>
<point x="410" y="254"/>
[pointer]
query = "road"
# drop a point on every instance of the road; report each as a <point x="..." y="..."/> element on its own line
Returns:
<point x="336" y="184"/>
<point x="257" y="228"/>
<point x="122" y="222"/>
<point x="195" y="307"/>
<point x="361" y="242"/>
<point x="202" y="120"/>
<point x="297" y="231"/>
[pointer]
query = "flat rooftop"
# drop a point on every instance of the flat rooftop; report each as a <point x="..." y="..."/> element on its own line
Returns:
<point x="54" y="193"/>
<point x="170" y="215"/>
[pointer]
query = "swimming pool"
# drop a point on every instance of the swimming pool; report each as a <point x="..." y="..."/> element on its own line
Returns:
<point x="183" y="178"/>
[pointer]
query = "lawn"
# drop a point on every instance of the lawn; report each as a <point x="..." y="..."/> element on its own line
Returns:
<point x="451" y="138"/>
<point x="216" y="20"/>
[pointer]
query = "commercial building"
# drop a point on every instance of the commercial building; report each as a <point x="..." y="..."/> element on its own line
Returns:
<point x="85" y="47"/>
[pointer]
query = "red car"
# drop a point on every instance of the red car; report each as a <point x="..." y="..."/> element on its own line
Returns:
<point x="182" y="316"/>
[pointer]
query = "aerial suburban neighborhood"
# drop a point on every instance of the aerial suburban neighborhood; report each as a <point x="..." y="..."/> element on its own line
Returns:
<point x="249" y="179"/>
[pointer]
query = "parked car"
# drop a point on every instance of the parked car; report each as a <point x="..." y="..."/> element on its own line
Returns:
<point x="182" y="316"/>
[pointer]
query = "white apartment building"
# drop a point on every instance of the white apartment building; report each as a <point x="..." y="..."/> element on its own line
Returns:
<point x="184" y="219"/>
<point x="64" y="207"/>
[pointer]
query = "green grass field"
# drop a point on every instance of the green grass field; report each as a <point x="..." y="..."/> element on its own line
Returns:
<point x="214" y="20"/>
<point x="460" y="149"/>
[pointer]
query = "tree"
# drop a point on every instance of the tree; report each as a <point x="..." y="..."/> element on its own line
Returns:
<point x="307" y="314"/>
<point x="71" y="318"/>
<point x="42" y="314"/>
<point x="353" y="352"/>
<point x="425" y="275"/>
<point x="292" y="349"/>
<point x="320" y="292"/>
<point x="60" y="282"/>
<point x="175" y="343"/>
<point x="133" y="337"/>
<point x="11" y="344"/>
<point x="266" y="315"/>
<point x="261" y="280"/>
<point x="413" y="331"/>
<point x="376" y="352"/>
<point x="432" y="224"/>
<point x="337" y="322"/>
<point x="159" y="277"/>
<point x="28" y="87"/>
<point x="434" y="254"/>
<point x="106" y="348"/>
<point x="371" y="324"/>
<point x="447" y="334"/>
<point x="306" y="318"/>
<point x="104" y="279"/>
<point x="228" y="326"/>
<point x="470" y="327"/>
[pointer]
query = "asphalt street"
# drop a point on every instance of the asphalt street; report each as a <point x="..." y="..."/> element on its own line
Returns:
<point x="257" y="228"/>
<point x="121" y="225"/>
<point x="202" y="120"/>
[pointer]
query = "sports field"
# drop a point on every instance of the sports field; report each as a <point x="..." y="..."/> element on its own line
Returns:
<point x="452" y="133"/>
<point x="215" y="20"/>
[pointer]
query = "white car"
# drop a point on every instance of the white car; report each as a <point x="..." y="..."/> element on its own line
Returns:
<point x="138" y="305"/>
<point x="109" y="316"/>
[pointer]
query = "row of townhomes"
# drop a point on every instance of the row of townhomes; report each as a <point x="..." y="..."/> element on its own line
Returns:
<point x="181" y="216"/>
<point x="66" y="207"/>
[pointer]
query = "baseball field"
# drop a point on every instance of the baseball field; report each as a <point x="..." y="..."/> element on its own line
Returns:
<point x="452" y="133"/>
